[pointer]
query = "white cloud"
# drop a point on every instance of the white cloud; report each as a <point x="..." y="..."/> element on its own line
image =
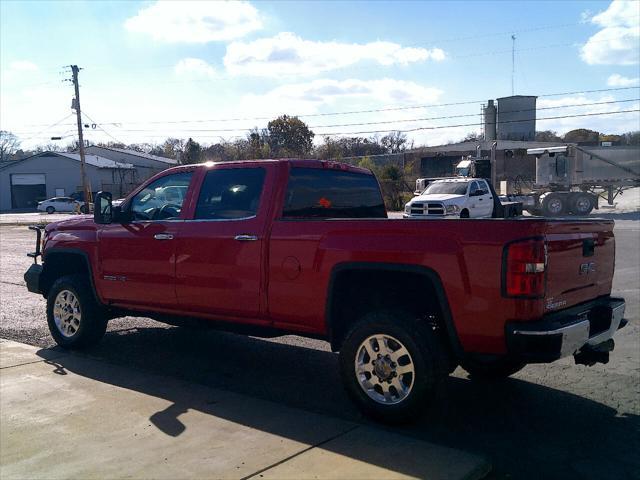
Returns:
<point x="196" y="21"/>
<point x="310" y="97"/>
<point x="616" y="123"/>
<point x="23" y="66"/>
<point x="617" y="43"/>
<point x="617" y="80"/>
<point x="194" y="67"/>
<point x="288" y="54"/>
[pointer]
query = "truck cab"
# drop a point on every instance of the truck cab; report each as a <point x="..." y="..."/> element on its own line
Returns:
<point x="452" y="198"/>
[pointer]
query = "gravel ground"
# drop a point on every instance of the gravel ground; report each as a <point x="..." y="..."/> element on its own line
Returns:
<point x="549" y="421"/>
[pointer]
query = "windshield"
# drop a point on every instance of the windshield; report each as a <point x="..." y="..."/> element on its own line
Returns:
<point x="455" y="188"/>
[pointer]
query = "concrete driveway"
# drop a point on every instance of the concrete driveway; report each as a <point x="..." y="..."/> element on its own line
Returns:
<point x="70" y="416"/>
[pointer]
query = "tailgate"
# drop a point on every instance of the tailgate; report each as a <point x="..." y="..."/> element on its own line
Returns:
<point x="580" y="262"/>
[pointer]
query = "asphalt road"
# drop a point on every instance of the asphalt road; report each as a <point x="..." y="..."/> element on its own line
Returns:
<point x="548" y="421"/>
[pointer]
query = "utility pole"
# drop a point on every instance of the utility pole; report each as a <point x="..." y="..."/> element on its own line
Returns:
<point x="513" y="64"/>
<point x="83" y="174"/>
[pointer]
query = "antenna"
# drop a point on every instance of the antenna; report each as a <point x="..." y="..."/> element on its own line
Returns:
<point x="513" y="63"/>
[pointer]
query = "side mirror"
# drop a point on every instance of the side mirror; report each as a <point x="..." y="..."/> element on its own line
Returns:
<point x="103" y="208"/>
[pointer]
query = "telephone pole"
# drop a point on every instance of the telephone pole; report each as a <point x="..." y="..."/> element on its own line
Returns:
<point x="76" y="106"/>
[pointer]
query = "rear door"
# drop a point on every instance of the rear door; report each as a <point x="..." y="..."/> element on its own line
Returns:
<point x="580" y="262"/>
<point x="219" y="268"/>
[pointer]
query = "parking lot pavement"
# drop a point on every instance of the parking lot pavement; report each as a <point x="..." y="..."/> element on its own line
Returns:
<point x="33" y="218"/>
<point x="69" y="416"/>
<point x="549" y="421"/>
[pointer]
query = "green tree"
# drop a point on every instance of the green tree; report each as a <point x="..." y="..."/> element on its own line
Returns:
<point x="632" y="138"/>
<point x="289" y="136"/>
<point x="192" y="152"/>
<point x="547" y="136"/>
<point x="582" y="135"/>
<point x="172" y="147"/>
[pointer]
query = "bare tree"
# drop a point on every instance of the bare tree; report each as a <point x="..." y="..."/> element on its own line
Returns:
<point x="9" y="144"/>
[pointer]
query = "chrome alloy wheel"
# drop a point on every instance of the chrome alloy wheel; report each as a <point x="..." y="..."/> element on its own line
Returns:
<point x="66" y="313"/>
<point x="583" y="204"/>
<point x="384" y="369"/>
<point x="555" y="206"/>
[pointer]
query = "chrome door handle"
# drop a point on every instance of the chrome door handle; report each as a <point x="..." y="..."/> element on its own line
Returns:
<point x="163" y="236"/>
<point x="246" y="238"/>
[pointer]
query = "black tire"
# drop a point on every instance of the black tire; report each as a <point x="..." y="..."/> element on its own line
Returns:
<point x="464" y="213"/>
<point x="492" y="369"/>
<point x="554" y="205"/>
<point x="582" y="204"/>
<point x="93" y="319"/>
<point x="50" y="210"/>
<point x="84" y="209"/>
<point x="428" y="358"/>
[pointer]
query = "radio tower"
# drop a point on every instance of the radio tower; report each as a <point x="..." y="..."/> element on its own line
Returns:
<point x="513" y="64"/>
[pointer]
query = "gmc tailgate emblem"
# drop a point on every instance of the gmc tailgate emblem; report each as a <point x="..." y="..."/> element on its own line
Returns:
<point x="587" y="268"/>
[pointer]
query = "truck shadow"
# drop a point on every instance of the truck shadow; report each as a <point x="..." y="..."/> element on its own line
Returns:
<point x="525" y="429"/>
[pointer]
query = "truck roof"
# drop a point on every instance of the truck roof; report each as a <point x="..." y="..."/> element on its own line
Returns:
<point x="294" y="162"/>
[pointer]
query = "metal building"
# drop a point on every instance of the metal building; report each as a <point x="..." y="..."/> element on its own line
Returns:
<point x="516" y="118"/>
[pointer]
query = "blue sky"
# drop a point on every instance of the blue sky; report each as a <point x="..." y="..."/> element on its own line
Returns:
<point x="151" y="69"/>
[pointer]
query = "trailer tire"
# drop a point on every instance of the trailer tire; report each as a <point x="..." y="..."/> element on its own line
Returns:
<point x="581" y="204"/>
<point x="554" y="204"/>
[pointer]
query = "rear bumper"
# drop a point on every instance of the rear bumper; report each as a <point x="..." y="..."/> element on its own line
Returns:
<point x="32" y="278"/>
<point x="564" y="333"/>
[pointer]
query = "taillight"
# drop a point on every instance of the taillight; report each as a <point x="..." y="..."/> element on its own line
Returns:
<point x="523" y="269"/>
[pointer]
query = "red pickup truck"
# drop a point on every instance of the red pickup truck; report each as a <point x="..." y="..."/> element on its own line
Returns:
<point x="301" y="246"/>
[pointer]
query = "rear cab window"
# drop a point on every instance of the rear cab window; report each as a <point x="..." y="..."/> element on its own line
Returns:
<point x="314" y="193"/>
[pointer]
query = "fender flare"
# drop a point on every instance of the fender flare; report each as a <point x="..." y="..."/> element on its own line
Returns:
<point x="429" y="273"/>
<point x="78" y="253"/>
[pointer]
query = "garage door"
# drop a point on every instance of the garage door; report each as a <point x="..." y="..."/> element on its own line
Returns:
<point x="27" y="189"/>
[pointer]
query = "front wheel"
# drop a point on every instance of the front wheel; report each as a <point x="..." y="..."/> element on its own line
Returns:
<point x="75" y="318"/>
<point x="392" y="365"/>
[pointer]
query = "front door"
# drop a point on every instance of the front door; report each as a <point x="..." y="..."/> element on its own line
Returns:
<point x="480" y="200"/>
<point x="219" y="253"/>
<point x="138" y="256"/>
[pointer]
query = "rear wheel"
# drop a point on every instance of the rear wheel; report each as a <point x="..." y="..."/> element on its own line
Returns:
<point x="84" y="209"/>
<point x="392" y="365"/>
<point x="492" y="369"/>
<point x="50" y="210"/>
<point x="553" y="205"/>
<point x="75" y="318"/>
<point x="582" y="204"/>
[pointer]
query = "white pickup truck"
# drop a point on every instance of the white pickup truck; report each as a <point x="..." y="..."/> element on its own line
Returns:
<point x="452" y="197"/>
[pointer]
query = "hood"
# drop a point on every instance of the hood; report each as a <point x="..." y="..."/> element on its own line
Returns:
<point x="439" y="197"/>
<point x="81" y="221"/>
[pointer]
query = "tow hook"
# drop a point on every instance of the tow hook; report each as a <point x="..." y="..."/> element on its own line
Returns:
<point x="589" y="355"/>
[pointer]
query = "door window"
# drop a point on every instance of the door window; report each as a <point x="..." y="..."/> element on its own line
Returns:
<point x="162" y="199"/>
<point x="473" y="189"/>
<point x="228" y="194"/>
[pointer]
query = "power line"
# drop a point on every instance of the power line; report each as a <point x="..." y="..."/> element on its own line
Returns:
<point x="475" y="124"/>
<point x="437" y="127"/>
<point x="352" y="112"/>
<point x="383" y="122"/>
<point x="49" y="127"/>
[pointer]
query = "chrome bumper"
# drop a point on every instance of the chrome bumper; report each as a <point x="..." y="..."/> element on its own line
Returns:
<point x="565" y="333"/>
